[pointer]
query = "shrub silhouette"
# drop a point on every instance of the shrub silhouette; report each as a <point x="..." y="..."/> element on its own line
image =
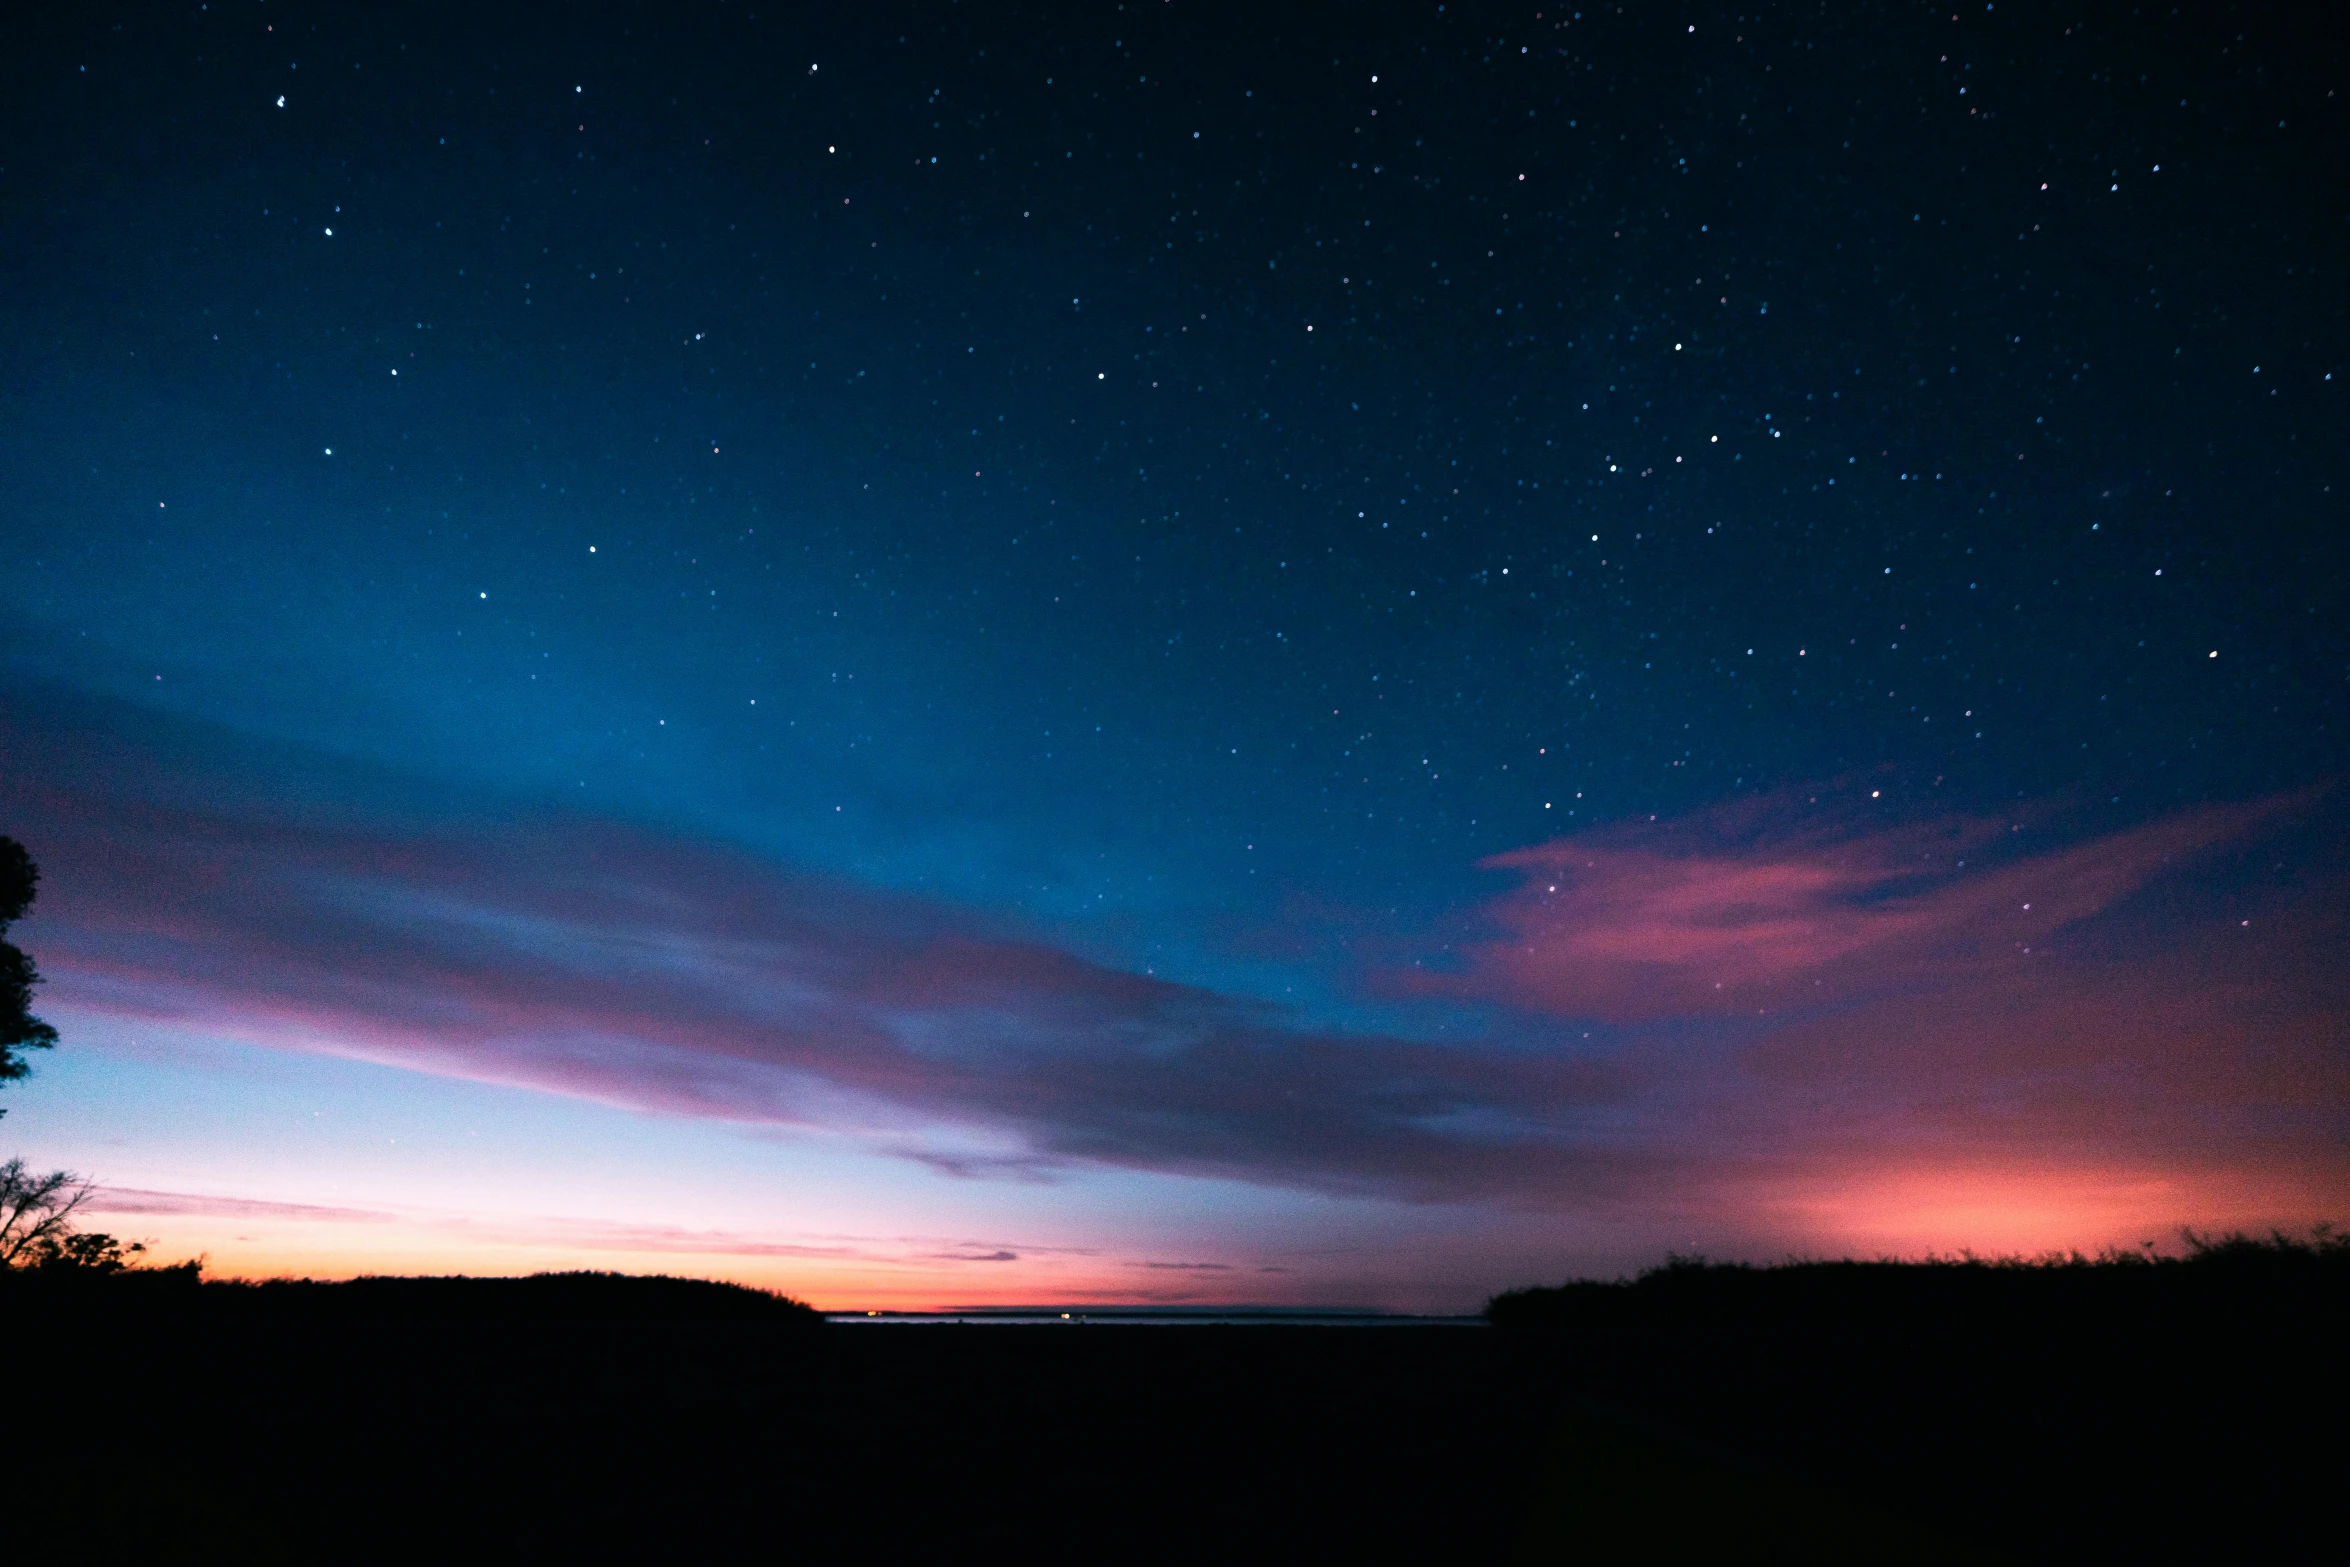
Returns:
<point x="1688" y="1290"/>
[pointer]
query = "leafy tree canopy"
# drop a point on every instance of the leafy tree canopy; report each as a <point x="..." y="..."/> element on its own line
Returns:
<point x="20" y="879"/>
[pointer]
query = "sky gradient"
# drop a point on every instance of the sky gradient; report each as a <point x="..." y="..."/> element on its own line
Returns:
<point x="1163" y="653"/>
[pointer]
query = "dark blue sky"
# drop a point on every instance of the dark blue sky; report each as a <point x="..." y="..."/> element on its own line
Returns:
<point x="1180" y="488"/>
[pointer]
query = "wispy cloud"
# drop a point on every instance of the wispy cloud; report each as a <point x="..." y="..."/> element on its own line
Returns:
<point x="133" y="1200"/>
<point x="1766" y="904"/>
<point x="1189" y="1267"/>
<point x="590" y="957"/>
<point x="565" y="1233"/>
<point x="1819" y="993"/>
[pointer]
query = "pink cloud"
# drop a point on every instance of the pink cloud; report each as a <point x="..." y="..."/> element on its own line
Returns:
<point x="1939" y="1025"/>
<point x="1753" y="909"/>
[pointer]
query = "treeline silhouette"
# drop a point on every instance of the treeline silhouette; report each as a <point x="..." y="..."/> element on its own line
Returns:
<point x="2128" y="1405"/>
<point x="539" y="1297"/>
<point x="2117" y="1408"/>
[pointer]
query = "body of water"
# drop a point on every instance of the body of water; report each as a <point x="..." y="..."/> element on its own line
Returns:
<point x="1146" y="1316"/>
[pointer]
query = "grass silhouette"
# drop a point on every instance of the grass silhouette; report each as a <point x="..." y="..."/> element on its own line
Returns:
<point x="2282" y="1270"/>
<point x="2042" y="1408"/>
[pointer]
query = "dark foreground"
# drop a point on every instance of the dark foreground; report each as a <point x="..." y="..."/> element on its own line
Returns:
<point x="1814" y="1414"/>
<point x="322" y="1427"/>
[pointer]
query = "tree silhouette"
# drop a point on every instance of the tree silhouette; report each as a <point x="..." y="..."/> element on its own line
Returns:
<point x="37" y="1231"/>
<point x="36" y="1213"/>
<point x="19" y="880"/>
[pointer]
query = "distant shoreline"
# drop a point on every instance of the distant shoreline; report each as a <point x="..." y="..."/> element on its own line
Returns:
<point x="1148" y="1316"/>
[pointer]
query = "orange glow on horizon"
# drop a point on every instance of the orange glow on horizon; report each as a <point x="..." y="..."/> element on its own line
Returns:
<point x="1907" y="1211"/>
<point x="251" y="1250"/>
<point x="2024" y="1211"/>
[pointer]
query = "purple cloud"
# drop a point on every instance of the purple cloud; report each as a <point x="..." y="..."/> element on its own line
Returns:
<point x="1762" y="904"/>
<point x="565" y="952"/>
<point x="133" y="1200"/>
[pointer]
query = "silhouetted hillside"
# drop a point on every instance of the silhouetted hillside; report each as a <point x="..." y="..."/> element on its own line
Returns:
<point x="562" y="1297"/>
<point x="2142" y="1411"/>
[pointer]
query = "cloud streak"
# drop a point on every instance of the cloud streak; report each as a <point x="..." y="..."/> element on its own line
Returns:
<point x="135" y="1200"/>
<point x="1753" y="906"/>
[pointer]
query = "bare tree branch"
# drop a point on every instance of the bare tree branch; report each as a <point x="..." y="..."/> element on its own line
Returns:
<point x="35" y="1209"/>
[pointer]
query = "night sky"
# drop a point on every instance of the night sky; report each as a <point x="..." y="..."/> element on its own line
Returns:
<point x="947" y="652"/>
